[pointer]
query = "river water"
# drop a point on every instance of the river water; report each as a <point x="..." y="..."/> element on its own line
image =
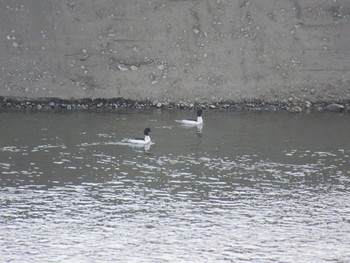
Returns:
<point x="247" y="187"/>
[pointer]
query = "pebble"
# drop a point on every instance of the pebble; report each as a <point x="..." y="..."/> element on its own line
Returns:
<point x="99" y="104"/>
<point x="83" y="56"/>
<point x="15" y="44"/>
<point x="335" y="107"/>
<point x="308" y="104"/>
<point x="122" y="68"/>
<point x="161" y="67"/>
<point x="295" y="109"/>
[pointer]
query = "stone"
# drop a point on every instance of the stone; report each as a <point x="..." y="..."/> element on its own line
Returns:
<point x="15" y="44"/>
<point x="83" y="56"/>
<point x="335" y="107"/>
<point x="295" y="109"/>
<point x="122" y="68"/>
<point x="161" y="67"/>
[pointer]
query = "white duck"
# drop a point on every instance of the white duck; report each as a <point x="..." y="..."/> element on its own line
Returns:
<point x="198" y="121"/>
<point x="141" y="141"/>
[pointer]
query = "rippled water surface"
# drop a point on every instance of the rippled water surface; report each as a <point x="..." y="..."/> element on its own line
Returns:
<point x="261" y="187"/>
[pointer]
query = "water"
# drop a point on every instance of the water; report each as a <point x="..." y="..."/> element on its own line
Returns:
<point x="251" y="187"/>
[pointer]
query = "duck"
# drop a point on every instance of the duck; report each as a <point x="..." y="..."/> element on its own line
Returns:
<point x="198" y="121"/>
<point x="141" y="141"/>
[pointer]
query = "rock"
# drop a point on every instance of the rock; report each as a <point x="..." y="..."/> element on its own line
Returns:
<point x="161" y="67"/>
<point x="15" y="44"/>
<point x="122" y="68"/>
<point x="159" y="105"/>
<point x="225" y="106"/>
<point x="335" y="107"/>
<point x="290" y="99"/>
<point x="295" y="109"/>
<point x="308" y="104"/>
<point x="83" y="55"/>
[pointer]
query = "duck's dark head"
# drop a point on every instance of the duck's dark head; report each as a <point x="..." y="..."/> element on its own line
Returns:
<point x="199" y="112"/>
<point x="147" y="131"/>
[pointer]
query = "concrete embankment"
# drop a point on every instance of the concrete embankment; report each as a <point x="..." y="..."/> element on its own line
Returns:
<point x="289" y="52"/>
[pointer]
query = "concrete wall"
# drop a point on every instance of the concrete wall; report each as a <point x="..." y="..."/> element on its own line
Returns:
<point x="176" y="49"/>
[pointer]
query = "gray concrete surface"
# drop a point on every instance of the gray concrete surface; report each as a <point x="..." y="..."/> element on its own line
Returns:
<point x="273" y="50"/>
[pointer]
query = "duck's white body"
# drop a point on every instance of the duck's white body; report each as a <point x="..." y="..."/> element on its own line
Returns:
<point x="192" y="122"/>
<point x="198" y="121"/>
<point x="146" y="140"/>
<point x="141" y="141"/>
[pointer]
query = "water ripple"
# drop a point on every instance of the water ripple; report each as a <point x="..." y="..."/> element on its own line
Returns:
<point x="90" y="198"/>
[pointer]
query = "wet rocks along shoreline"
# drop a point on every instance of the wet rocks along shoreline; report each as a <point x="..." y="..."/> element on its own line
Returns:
<point x="102" y="104"/>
